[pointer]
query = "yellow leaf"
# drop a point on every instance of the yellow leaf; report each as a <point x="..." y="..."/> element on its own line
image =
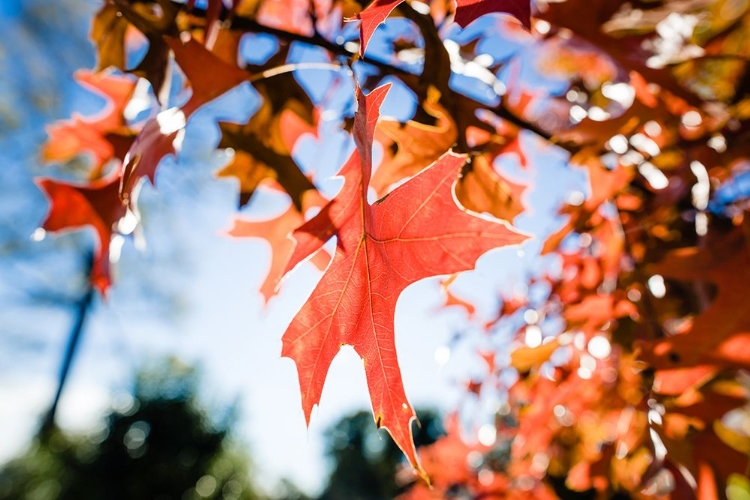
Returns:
<point x="524" y="359"/>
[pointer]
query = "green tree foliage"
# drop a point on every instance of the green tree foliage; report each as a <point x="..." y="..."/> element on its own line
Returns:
<point x="164" y="446"/>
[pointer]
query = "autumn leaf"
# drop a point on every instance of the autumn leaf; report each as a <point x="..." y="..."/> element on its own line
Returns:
<point x="110" y="29"/>
<point x="209" y="78"/>
<point x="276" y="232"/>
<point x="596" y="310"/>
<point x="469" y="10"/>
<point x="249" y="171"/>
<point x="504" y="140"/>
<point x="452" y="300"/>
<point x="154" y="142"/>
<point x="483" y="190"/>
<point x="381" y="249"/>
<point x="605" y="184"/>
<point x="720" y="335"/>
<point x="447" y="455"/>
<point x="105" y="135"/>
<point x="409" y="147"/>
<point x="208" y="75"/>
<point x="371" y="17"/>
<point x="525" y="358"/>
<point x="263" y="146"/>
<point x="75" y="206"/>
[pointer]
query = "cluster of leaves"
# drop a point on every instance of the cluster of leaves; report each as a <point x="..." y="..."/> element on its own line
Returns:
<point x="643" y="391"/>
<point x="376" y="256"/>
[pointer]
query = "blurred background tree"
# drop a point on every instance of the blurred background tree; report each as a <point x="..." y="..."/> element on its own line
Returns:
<point x="365" y="460"/>
<point x="164" y="444"/>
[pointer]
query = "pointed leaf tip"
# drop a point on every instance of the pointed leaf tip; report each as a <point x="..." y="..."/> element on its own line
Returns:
<point x="371" y="17"/>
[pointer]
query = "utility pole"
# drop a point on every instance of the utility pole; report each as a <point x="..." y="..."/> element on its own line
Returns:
<point x="74" y="341"/>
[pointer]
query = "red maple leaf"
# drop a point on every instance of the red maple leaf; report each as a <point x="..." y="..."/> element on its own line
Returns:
<point x="469" y="10"/>
<point x="415" y="232"/>
<point x="96" y="205"/>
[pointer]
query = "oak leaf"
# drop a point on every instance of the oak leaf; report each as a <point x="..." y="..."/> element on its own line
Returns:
<point x="248" y="170"/>
<point x="264" y="144"/>
<point x="105" y="135"/>
<point x="482" y="189"/>
<point x="110" y="32"/>
<point x="381" y="249"/>
<point x="276" y="232"/>
<point x="371" y="17"/>
<point x="469" y="10"/>
<point x="720" y="335"/>
<point x="209" y="78"/>
<point x="75" y="206"/>
<point x="452" y="300"/>
<point x="409" y="147"/>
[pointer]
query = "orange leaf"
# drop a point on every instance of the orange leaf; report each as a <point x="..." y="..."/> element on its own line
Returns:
<point x="276" y="231"/>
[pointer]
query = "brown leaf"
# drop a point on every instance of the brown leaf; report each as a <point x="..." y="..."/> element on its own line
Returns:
<point x="483" y="190"/>
<point x="412" y="146"/>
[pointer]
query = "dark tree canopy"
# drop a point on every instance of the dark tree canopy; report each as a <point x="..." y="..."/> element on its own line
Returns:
<point x="163" y="446"/>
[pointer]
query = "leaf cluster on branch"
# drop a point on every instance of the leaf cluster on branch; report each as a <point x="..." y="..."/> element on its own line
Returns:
<point x="631" y="355"/>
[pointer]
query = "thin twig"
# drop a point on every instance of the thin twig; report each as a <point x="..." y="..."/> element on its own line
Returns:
<point x="288" y="68"/>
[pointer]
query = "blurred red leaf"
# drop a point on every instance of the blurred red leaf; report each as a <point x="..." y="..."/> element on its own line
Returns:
<point x="469" y="10"/>
<point x="75" y="206"/>
<point x="483" y="190"/>
<point x="453" y="300"/>
<point x="720" y="336"/>
<point x="410" y="147"/>
<point x="104" y="135"/>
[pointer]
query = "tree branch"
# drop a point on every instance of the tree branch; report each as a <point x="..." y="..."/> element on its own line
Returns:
<point x="412" y="80"/>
